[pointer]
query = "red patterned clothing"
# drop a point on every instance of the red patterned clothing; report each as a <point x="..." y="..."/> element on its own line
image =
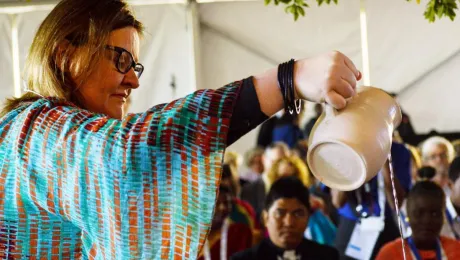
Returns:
<point x="78" y="185"/>
<point x="240" y="232"/>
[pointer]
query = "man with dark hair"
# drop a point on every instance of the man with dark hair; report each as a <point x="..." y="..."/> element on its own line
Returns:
<point x="286" y="213"/>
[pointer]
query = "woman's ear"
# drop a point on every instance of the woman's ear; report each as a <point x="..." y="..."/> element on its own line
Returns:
<point x="63" y="55"/>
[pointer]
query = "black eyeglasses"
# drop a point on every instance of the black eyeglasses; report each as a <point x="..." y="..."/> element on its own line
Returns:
<point x="125" y="61"/>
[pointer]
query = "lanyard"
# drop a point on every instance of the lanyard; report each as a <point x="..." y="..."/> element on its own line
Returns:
<point x="416" y="254"/>
<point x="407" y="231"/>
<point x="451" y="214"/>
<point x="451" y="224"/>
<point x="223" y="242"/>
<point x="380" y="196"/>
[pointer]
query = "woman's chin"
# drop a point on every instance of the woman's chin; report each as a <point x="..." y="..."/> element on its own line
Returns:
<point x="115" y="113"/>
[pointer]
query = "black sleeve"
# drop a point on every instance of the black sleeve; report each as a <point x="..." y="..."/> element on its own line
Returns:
<point x="247" y="114"/>
<point x="265" y="136"/>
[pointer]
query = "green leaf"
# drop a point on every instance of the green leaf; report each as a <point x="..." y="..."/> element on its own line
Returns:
<point x="440" y="11"/>
<point x="289" y="9"/>
<point x="296" y="16"/>
<point x="451" y="14"/>
<point x="429" y="15"/>
<point x="299" y="2"/>
<point x="301" y="10"/>
<point x="434" y="8"/>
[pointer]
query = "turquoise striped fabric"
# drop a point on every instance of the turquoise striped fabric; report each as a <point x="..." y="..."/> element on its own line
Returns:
<point x="77" y="185"/>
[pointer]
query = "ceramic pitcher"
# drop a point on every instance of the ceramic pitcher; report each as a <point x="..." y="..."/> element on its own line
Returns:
<point x="348" y="147"/>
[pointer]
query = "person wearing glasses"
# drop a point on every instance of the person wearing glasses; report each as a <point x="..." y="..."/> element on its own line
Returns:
<point x="438" y="153"/>
<point x="79" y="179"/>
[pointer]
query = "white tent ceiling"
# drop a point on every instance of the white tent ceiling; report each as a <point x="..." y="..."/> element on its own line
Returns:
<point x="239" y="38"/>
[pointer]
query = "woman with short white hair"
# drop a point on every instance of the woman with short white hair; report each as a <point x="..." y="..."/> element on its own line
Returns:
<point x="438" y="153"/>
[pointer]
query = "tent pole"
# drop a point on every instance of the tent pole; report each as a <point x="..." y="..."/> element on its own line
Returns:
<point x="193" y="27"/>
<point x="364" y="44"/>
<point x="15" y="55"/>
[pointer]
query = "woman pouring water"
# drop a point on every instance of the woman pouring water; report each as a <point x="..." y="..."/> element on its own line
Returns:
<point x="80" y="179"/>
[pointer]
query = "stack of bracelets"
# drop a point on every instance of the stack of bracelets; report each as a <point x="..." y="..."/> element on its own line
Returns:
<point x="286" y="85"/>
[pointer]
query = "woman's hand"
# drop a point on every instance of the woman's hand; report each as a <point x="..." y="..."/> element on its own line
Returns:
<point x="330" y="77"/>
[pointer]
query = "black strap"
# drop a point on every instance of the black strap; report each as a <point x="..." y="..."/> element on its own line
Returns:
<point x="247" y="113"/>
<point x="286" y="84"/>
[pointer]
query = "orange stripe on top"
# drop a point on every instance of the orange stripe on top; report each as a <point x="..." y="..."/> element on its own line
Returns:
<point x="156" y="209"/>
<point x="3" y="175"/>
<point x="133" y="226"/>
<point x="21" y="213"/>
<point x="178" y="243"/>
<point x="166" y="234"/>
<point x="188" y="241"/>
<point x="147" y="189"/>
<point x="184" y="182"/>
<point x="116" y="192"/>
<point x="56" y="240"/>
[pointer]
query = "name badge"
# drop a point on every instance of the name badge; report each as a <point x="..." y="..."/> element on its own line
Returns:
<point x="364" y="238"/>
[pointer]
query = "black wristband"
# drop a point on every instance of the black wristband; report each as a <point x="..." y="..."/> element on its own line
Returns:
<point x="286" y="85"/>
<point x="281" y="84"/>
<point x="290" y="77"/>
<point x="287" y="91"/>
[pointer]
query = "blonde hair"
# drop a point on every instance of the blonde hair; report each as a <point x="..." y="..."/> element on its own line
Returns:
<point x="251" y="154"/>
<point x="456" y="145"/>
<point x="233" y="159"/>
<point x="301" y="170"/>
<point x="83" y="24"/>
<point x="283" y="147"/>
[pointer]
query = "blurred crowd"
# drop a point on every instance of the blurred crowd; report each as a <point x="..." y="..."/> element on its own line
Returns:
<point x="270" y="206"/>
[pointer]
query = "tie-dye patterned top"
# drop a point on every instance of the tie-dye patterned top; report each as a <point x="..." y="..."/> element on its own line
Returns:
<point x="78" y="185"/>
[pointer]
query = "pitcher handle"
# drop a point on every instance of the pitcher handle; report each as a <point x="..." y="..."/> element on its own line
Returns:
<point x="330" y="111"/>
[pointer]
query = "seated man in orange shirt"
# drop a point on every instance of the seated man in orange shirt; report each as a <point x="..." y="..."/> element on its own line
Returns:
<point x="425" y="208"/>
